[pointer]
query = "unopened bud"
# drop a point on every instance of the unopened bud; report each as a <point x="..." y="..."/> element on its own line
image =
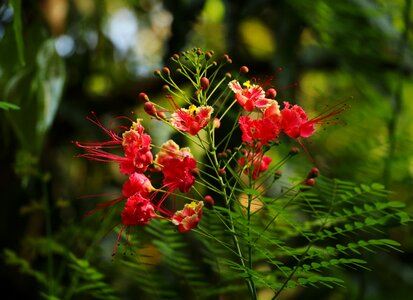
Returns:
<point x="227" y="59"/>
<point x="204" y="83"/>
<point x="244" y="70"/>
<point x="271" y="93"/>
<point x="221" y="171"/>
<point x="228" y="75"/>
<point x="160" y="115"/>
<point x="314" y="172"/>
<point x="166" y="71"/>
<point x="157" y="73"/>
<point x="149" y="108"/>
<point x="195" y="172"/>
<point x="143" y="97"/>
<point x="309" y="182"/>
<point x="216" y="123"/>
<point x="277" y="174"/>
<point x="166" y="88"/>
<point x="222" y="155"/>
<point x="294" y="151"/>
<point x="199" y="51"/>
<point x="175" y="57"/>
<point x="209" y="201"/>
<point x="209" y="54"/>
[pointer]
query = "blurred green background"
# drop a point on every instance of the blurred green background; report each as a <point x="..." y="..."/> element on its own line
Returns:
<point x="61" y="59"/>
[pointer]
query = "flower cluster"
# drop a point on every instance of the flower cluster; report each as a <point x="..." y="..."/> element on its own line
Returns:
<point x="189" y="113"/>
<point x="269" y="122"/>
<point x="142" y="204"/>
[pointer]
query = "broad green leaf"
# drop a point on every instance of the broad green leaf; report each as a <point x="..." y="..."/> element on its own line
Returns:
<point x="37" y="90"/>
<point x="50" y="82"/>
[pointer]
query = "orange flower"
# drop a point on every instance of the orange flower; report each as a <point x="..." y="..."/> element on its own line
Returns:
<point x="189" y="217"/>
<point x="192" y="120"/>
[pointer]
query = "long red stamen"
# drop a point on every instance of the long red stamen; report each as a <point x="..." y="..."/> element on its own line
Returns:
<point x="333" y="111"/>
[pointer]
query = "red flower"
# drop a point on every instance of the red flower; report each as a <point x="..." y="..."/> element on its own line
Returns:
<point x="192" y="120"/>
<point x="177" y="165"/>
<point x="137" y="184"/>
<point x="180" y="174"/>
<point x="251" y="96"/>
<point x="170" y="150"/>
<point x="189" y="217"/>
<point x="257" y="161"/>
<point x="257" y="133"/>
<point x="272" y="112"/>
<point x="294" y="122"/>
<point x="138" y="210"/>
<point x="135" y="143"/>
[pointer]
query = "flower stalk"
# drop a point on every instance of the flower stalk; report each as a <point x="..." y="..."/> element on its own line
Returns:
<point x="249" y="110"/>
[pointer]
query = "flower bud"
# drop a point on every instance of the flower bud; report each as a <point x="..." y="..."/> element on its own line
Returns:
<point x="221" y="171"/>
<point x="195" y="172"/>
<point x="216" y="123"/>
<point x="199" y="51"/>
<point x="166" y="71"/>
<point x="277" y="174"/>
<point x="149" y="108"/>
<point x="309" y="182"/>
<point x="271" y="93"/>
<point x="175" y="57"/>
<point x="157" y="73"/>
<point x="222" y="155"/>
<point x="228" y="75"/>
<point x="244" y="70"/>
<point x="294" y="151"/>
<point x="227" y="59"/>
<point x="166" y="88"/>
<point x="204" y="83"/>
<point x="160" y="115"/>
<point x="209" y="201"/>
<point x="209" y="54"/>
<point x="314" y="172"/>
<point x="143" y="97"/>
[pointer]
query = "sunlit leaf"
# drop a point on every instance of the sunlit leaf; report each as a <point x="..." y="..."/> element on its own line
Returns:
<point x="50" y="82"/>
<point x="6" y="106"/>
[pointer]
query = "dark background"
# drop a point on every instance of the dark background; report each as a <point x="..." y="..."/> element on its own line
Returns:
<point x="61" y="59"/>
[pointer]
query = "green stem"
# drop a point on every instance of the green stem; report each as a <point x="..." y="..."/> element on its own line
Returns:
<point x="48" y="225"/>
<point x="215" y="162"/>
<point x="250" y="198"/>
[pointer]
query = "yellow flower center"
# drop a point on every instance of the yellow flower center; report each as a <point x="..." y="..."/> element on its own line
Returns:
<point x="192" y="109"/>
<point x="247" y="84"/>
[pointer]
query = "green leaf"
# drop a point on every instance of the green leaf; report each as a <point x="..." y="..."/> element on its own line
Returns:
<point x="11" y="258"/>
<point x="396" y="204"/>
<point x="404" y="217"/>
<point x="18" y="32"/>
<point x="377" y="186"/>
<point x="50" y="81"/>
<point x="8" y="105"/>
<point x="37" y="90"/>
<point x="365" y="188"/>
